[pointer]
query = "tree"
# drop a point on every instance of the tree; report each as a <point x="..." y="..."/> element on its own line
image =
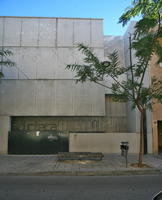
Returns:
<point x="145" y="42"/>
<point x="5" y="61"/>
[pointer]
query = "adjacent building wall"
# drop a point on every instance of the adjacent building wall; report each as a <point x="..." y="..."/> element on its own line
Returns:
<point x="134" y="116"/>
<point x="156" y="70"/>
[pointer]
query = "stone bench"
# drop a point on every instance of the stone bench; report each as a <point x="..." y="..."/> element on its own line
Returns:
<point x="62" y="156"/>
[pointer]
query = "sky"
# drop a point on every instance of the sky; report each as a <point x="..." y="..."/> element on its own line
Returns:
<point x="108" y="10"/>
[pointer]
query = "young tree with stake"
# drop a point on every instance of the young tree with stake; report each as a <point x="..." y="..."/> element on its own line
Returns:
<point x="145" y="42"/>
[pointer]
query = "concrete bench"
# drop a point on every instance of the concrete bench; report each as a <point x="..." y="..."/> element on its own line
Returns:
<point x="62" y="156"/>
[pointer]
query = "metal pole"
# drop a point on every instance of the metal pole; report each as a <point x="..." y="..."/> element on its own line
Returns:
<point x="126" y="158"/>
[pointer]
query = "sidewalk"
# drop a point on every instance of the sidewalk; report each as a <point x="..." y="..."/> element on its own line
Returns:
<point x="112" y="164"/>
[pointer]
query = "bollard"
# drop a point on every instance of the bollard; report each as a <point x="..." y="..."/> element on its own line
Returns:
<point x="124" y="146"/>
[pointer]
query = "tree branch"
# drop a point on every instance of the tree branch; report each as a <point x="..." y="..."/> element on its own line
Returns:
<point x="122" y="86"/>
<point x="131" y="64"/>
<point x="148" y="59"/>
<point x="103" y="85"/>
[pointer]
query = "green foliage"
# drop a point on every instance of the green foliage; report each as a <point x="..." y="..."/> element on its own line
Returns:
<point x="143" y="26"/>
<point x="144" y="8"/>
<point x="5" y="53"/>
<point x="90" y="56"/>
<point x="158" y="50"/>
<point x="96" y="70"/>
<point x="145" y="43"/>
<point x="1" y="75"/>
<point x="145" y="35"/>
<point x="5" y="61"/>
<point x="119" y="94"/>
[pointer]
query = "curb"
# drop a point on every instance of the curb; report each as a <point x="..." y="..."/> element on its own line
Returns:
<point x="86" y="173"/>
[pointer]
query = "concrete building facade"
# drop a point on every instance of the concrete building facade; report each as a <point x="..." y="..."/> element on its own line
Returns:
<point x="38" y="95"/>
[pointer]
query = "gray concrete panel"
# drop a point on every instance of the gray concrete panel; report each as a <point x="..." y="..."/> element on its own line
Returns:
<point x="30" y="32"/>
<point x="126" y="36"/>
<point x="17" y="98"/>
<point x="82" y="32"/>
<point x="64" y="98"/>
<point x="47" y="32"/>
<point x="115" y="109"/>
<point x="44" y="62"/>
<point x="28" y="63"/>
<point x="133" y="118"/>
<point x="97" y="98"/>
<point x="65" y="32"/>
<point x="112" y="43"/>
<point x="7" y="98"/>
<point x="1" y="31"/>
<point x="96" y="33"/>
<point x="87" y="96"/>
<point x="80" y="101"/>
<point x="12" y="72"/>
<point x="64" y="56"/>
<point x="4" y="129"/>
<point x="25" y="98"/>
<point x="99" y="53"/>
<point x="44" y="93"/>
<point x="51" y="97"/>
<point x="103" y="142"/>
<point x="149" y="131"/>
<point x="78" y="56"/>
<point x="47" y="66"/>
<point x="37" y="57"/>
<point x="12" y="30"/>
<point x="133" y="115"/>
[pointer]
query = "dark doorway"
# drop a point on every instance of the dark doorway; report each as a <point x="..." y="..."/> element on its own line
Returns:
<point x="160" y="137"/>
<point x="37" y="142"/>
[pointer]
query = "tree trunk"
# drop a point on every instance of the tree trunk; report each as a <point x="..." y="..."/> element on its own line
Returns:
<point x="145" y="132"/>
<point x="141" y="150"/>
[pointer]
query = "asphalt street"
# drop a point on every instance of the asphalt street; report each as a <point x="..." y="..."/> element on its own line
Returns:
<point x="142" y="187"/>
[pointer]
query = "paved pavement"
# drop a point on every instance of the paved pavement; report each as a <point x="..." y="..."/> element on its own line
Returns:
<point x="112" y="164"/>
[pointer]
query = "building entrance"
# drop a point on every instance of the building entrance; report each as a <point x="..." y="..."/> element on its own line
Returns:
<point x="37" y="142"/>
<point x="36" y="135"/>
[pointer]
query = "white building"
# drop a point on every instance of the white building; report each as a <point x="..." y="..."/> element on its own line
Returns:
<point x="39" y="99"/>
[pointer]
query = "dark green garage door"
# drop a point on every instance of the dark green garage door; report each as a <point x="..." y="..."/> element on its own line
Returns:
<point x="37" y="142"/>
<point x="36" y="135"/>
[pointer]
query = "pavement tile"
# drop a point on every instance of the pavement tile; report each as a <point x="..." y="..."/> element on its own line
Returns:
<point x="44" y="164"/>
